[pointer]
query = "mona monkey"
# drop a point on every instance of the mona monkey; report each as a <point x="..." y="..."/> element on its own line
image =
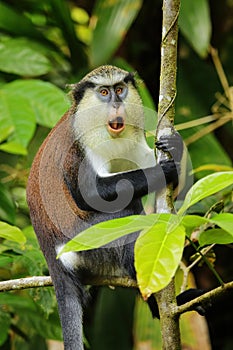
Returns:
<point x="95" y="165"/>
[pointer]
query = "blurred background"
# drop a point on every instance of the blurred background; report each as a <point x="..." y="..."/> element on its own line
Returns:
<point x="46" y="45"/>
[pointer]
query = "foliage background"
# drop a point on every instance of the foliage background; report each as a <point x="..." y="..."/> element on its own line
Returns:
<point x="46" y="45"/>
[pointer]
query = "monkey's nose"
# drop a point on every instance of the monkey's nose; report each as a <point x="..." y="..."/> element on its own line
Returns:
<point x="116" y="125"/>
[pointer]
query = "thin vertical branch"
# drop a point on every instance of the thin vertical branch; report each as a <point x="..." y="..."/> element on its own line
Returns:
<point x="167" y="92"/>
<point x="166" y="112"/>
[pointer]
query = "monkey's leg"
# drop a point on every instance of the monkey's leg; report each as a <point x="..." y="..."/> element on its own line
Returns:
<point x="70" y="305"/>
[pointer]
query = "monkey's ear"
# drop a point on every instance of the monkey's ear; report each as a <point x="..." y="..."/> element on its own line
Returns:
<point x="134" y="78"/>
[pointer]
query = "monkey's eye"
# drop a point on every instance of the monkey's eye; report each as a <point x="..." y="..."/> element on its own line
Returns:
<point x="119" y="90"/>
<point x="104" y="92"/>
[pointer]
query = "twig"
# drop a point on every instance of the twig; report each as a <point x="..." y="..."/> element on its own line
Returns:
<point x="187" y="269"/>
<point x="198" y="122"/>
<point x="208" y="129"/>
<point x="220" y="72"/>
<point x="25" y="283"/>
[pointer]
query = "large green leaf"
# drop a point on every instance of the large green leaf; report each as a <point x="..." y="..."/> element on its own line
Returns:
<point x="157" y="256"/>
<point x="48" y="102"/>
<point x="195" y="24"/>
<point x="11" y="233"/>
<point x="108" y="231"/>
<point x="17" y="113"/>
<point x="112" y="20"/>
<point x="17" y="58"/>
<point x="206" y="187"/>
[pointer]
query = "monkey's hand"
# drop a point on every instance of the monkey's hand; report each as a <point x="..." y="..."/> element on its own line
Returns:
<point x="171" y="171"/>
<point x="172" y="144"/>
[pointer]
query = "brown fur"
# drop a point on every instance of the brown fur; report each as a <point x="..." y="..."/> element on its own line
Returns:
<point x="46" y="172"/>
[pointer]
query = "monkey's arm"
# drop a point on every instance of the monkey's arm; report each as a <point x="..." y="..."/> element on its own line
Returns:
<point x="121" y="188"/>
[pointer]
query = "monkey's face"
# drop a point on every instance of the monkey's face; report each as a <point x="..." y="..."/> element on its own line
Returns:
<point x="109" y="119"/>
<point x="109" y="115"/>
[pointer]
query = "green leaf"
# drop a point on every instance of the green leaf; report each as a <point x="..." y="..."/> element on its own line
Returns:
<point x="190" y="222"/>
<point x="5" y="132"/>
<point x="215" y="236"/>
<point x="205" y="187"/>
<point x="5" y="321"/>
<point x="18" y="58"/>
<point x="16" y="112"/>
<point x="105" y="232"/>
<point x="17" y="301"/>
<point x="4" y="261"/>
<point x="212" y="168"/>
<point x="11" y="233"/>
<point x="108" y="231"/>
<point x="163" y="252"/>
<point x="225" y="221"/>
<point x="48" y="328"/>
<point x="62" y="16"/>
<point x="112" y="20"/>
<point x="47" y="101"/>
<point x="7" y="208"/>
<point x="46" y="297"/>
<point x="17" y="23"/>
<point x="195" y="24"/>
<point x="29" y="315"/>
<point x="14" y="148"/>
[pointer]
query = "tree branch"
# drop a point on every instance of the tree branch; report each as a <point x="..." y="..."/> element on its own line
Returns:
<point x="166" y="112"/>
<point x="204" y="300"/>
<point x="44" y="281"/>
<point x="25" y="283"/>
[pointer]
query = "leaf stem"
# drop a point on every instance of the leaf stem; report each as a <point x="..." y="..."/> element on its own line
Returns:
<point x="207" y="262"/>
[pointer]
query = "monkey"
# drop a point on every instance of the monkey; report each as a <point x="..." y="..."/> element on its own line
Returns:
<point x="95" y="165"/>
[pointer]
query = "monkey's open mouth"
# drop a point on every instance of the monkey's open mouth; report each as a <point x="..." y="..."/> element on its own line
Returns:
<point x="116" y="125"/>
